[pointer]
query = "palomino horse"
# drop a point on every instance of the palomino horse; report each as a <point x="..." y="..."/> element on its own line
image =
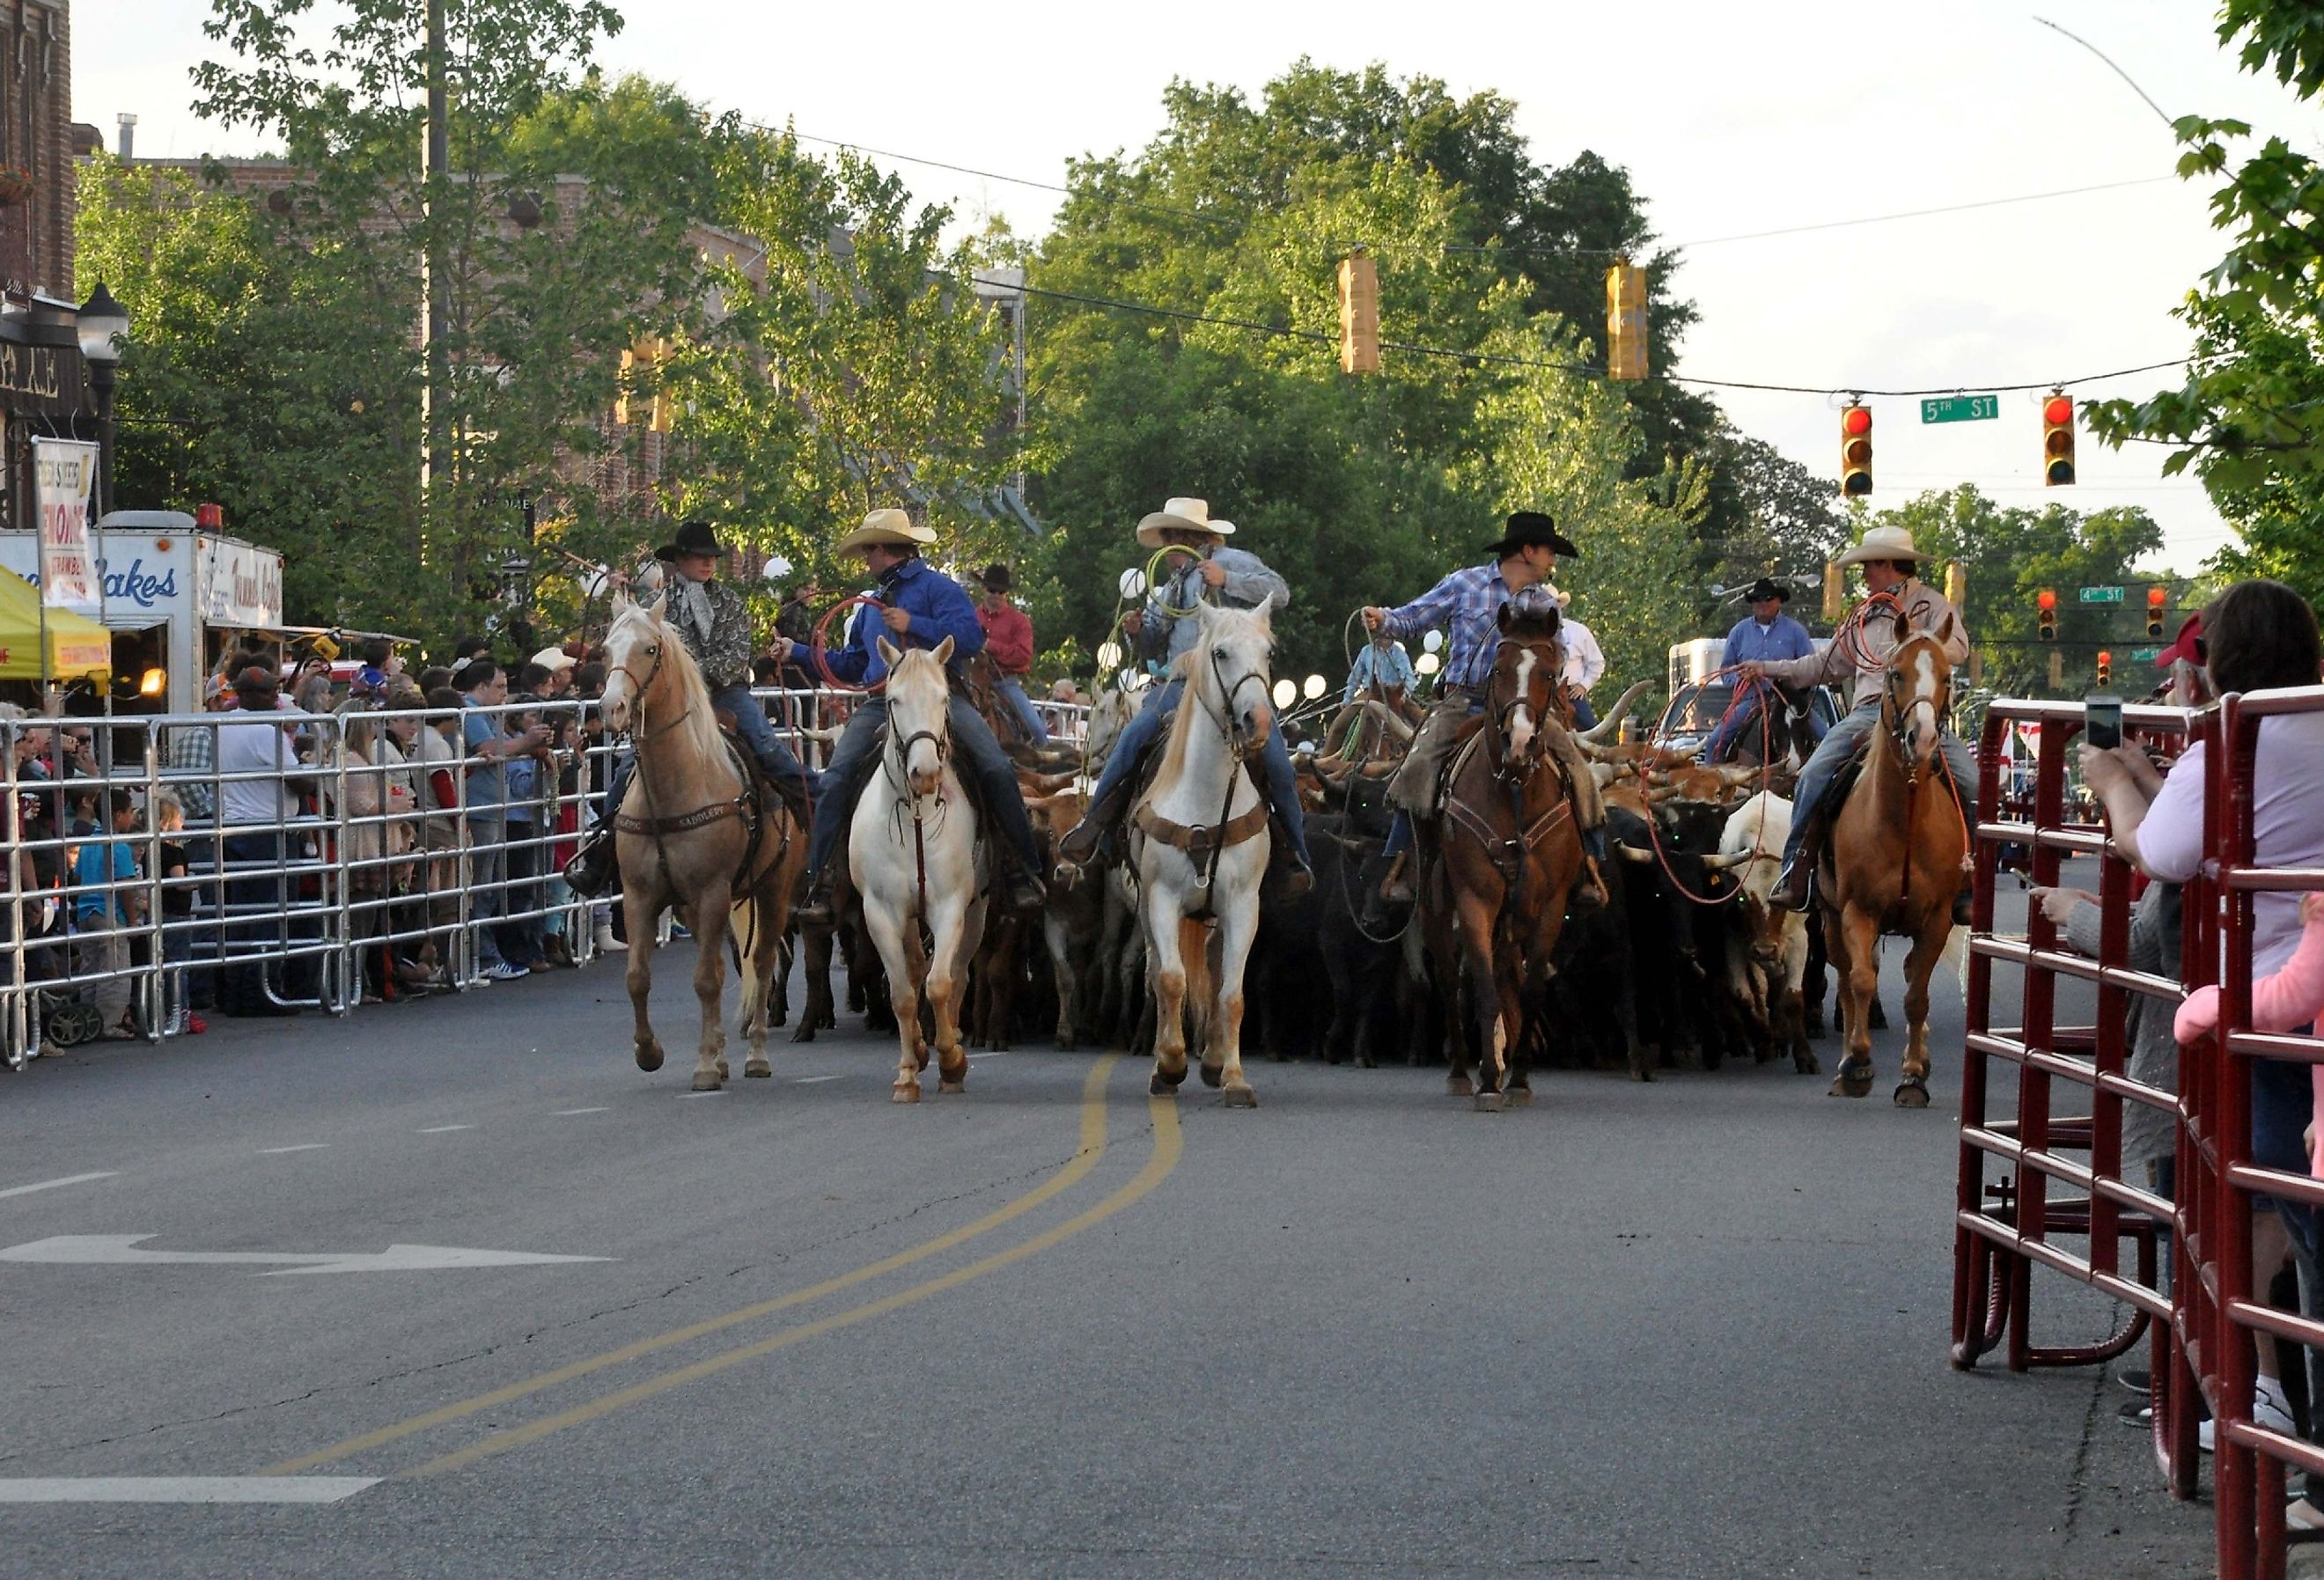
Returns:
<point x="1510" y="853"/>
<point x="913" y="852"/>
<point x="1201" y="846"/>
<point x="1893" y="863"/>
<point x="684" y="834"/>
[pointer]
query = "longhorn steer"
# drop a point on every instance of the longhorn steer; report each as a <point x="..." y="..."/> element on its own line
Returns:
<point x="1768" y="946"/>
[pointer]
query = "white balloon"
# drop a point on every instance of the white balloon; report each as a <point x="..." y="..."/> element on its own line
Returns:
<point x="1428" y="662"/>
<point x="1109" y="655"/>
<point x="599" y="580"/>
<point x="1313" y="687"/>
<point x="1133" y="583"/>
<point x="1432" y="642"/>
<point x="777" y="569"/>
<point x="1285" y="692"/>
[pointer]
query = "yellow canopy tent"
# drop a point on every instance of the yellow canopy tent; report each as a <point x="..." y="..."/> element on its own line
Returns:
<point x="78" y="645"/>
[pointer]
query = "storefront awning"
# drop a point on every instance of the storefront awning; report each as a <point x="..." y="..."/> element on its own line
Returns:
<point x="76" y="645"/>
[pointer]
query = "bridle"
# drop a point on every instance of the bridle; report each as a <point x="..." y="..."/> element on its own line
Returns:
<point x="1895" y="705"/>
<point x="1545" y="652"/>
<point x="898" y="775"/>
<point x="1223" y="714"/>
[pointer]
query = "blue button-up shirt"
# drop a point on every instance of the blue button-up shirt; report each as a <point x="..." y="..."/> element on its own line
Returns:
<point x="1466" y="603"/>
<point x="1751" y="643"/>
<point x="1386" y="662"/>
<point x="1249" y="584"/>
<point x="938" y="607"/>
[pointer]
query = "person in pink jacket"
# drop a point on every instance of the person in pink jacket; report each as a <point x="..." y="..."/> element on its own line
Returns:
<point x="2291" y="996"/>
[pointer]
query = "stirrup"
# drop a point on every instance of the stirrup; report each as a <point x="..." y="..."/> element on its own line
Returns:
<point x="815" y="910"/>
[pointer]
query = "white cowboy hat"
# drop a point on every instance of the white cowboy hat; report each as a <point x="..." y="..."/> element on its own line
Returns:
<point x="1883" y="543"/>
<point x="1563" y="598"/>
<point x="553" y="659"/>
<point x="890" y="527"/>
<point x="1191" y="515"/>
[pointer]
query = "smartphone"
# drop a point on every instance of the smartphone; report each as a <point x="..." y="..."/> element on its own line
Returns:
<point x="2102" y="720"/>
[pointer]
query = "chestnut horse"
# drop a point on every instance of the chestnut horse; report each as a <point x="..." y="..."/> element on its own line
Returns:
<point x="685" y="834"/>
<point x="1893" y="863"/>
<point x="1507" y="853"/>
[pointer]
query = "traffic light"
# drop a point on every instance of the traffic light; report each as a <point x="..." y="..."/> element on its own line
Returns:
<point x="2057" y="439"/>
<point x="2105" y="669"/>
<point x="2155" y="598"/>
<point x="2046" y="605"/>
<point x="1856" y="451"/>
<point x="1626" y="322"/>
<point x="1359" y="314"/>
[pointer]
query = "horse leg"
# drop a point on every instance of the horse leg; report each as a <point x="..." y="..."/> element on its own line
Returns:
<point x="891" y="939"/>
<point x="1494" y="1027"/>
<point x="709" y="986"/>
<point x="1167" y="974"/>
<point x="1237" y="928"/>
<point x="1855" y="949"/>
<point x="762" y="972"/>
<point x="1913" y="1091"/>
<point x="947" y="984"/>
<point x="639" y="910"/>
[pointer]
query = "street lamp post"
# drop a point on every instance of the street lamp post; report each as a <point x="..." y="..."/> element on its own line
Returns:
<point x="102" y="322"/>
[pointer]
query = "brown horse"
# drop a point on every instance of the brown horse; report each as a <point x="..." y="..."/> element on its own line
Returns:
<point x="1893" y="863"/>
<point x="686" y="833"/>
<point x="1507" y="853"/>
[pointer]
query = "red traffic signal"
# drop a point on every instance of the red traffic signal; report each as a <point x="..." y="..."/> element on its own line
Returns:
<point x="1856" y="451"/>
<point x="2045" y="604"/>
<point x="2105" y="668"/>
<point x="2057" y="441"/>
<point x="2046" y="598"/>
<point x="2156" y="597"/>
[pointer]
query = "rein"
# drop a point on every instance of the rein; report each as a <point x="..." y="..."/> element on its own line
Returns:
<point x="1205" y="843"/>
<point x="901" y="746"/>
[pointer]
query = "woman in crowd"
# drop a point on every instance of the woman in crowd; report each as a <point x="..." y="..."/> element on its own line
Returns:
<point x="530" y="780"/>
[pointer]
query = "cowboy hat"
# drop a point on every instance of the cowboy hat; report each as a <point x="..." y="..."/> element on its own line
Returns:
<point x="998" y="578"/>
<point x="554" y="659"/>
<point x="1891" y="543"/>
<point x="892" y="528"/>
<point x="1187" y="515"/>
<point x="693" y="538"/>
<point x="1527" y="528"/>
<point x="1766" y="587"/>
<point x="1554" y="590"/>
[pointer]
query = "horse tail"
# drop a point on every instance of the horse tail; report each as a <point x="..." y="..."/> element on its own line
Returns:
<point x="1194" y="951"/>
<point x="743" y="924"/>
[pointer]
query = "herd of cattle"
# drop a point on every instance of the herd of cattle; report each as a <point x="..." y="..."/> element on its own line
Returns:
<point x="1703" y="968"/>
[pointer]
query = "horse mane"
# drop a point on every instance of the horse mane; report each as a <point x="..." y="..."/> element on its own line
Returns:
<point x="700" y="725"/>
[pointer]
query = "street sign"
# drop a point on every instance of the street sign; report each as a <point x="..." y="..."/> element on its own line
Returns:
<point x="2101" y="595"/>
<point x="2144" y="655"/>
<point x="1960" y="407"/>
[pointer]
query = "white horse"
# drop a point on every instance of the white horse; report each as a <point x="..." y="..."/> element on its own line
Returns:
<point x="913" y="852"/>
<point x="1200" y="845"/>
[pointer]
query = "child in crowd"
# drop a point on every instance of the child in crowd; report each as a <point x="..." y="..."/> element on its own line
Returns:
<point x="2285" y="1000"/>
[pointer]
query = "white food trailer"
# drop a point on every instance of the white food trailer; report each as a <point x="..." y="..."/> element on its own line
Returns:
<point x="175" y="591"/>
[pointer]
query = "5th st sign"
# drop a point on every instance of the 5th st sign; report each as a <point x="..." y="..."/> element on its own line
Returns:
<point x="1960" y="409"/>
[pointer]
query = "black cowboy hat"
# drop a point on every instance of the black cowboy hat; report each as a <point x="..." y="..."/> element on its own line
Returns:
<point x="1766" y="587"/>
<point x="1528" y="527"/>
<point x="693" y="538"/>
<point x="998" y="578"/>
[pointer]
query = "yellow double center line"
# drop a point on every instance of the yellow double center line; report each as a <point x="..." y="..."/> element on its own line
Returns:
<point x="1158" y="1164"/>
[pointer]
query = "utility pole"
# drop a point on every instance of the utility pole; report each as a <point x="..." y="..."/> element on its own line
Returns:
<point x="435" y="155"/>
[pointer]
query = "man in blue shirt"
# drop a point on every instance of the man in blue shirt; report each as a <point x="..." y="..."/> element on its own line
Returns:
<point x="1238" y="580"/>
<point x="1768" y="633"/>
<point x="923" y="606"/>
<point x="1467" y="605"/>
<point x="1383" y="664"/>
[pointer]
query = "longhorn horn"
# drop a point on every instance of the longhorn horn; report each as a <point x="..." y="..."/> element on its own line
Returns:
<point x="1726" y="860"/>
<point x="1605" y="728"/>
<point x="1631" y="853"/>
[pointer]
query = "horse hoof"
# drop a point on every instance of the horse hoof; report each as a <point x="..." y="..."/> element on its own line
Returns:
<point x="1457" y="1086"/>
<point x="1240" y="1097"/>
<point x="1489" y="1101"/>
<point x="806" y="1032"/>
<point x="1160" y="1087"/>
<point x="906" y="1092"/>
<point x="1911" y="1092"/>
<point x="723" y="1071"/>
<point x="757" y="1070"/>
<point x="1520" y="1096"/>
<point x="1807" y="1064"/>
<point x="952" y="1088"/>
<point x="1854" y="1080"/>
<point x="1213" y="1074"/>
<point x="708" y="1081"/>
<point x="1171" y="1079"/>
<point x="650" y="1058"/>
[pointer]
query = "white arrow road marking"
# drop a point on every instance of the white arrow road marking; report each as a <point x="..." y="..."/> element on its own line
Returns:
<point x="811" y="1080"/>
<point x="438" y="1130"/>
<point x="58" y="1184"/>
<point x="301" y="1147"/>
<point x="569" y="1113"/>
<point x="183" y="1489"/>
<point x="108" y="1249"/>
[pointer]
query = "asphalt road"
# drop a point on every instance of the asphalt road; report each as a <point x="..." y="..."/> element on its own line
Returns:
<point x="1696" y="1328"/>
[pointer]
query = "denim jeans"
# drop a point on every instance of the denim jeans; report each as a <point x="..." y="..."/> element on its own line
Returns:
<point x="1140" y="733"/>
<point x="1743" y="724"/>
<point x="976" y="755"/>
<point x="242" y="986"/>
<point x="520" y="938"/>
<point x="1012" y="692"/>
<point x="1839" y="744"/>
<point x="488" y="867"/>
<point x="758" y="738"/>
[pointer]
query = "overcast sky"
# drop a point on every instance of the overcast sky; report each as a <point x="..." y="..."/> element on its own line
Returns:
<point x="1731" y="118"/>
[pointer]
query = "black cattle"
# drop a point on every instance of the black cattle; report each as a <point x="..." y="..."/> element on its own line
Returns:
<point x="1593" y="1003"/>
<point x="1679" y="941"/>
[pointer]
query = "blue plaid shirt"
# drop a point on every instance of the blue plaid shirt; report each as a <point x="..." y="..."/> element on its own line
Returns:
<point x="1387" y="663"/>
<point x="1466" y="603"/>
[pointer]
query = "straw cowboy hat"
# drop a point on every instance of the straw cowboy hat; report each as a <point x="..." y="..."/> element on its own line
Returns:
<point x="1883" y="543"/>
<point x="892" y="528"/>
<point x="1187" y="515"/>
<point x="553" y="659"/>
<point x="693" y="538"/>
<point x="1563" y="598"/>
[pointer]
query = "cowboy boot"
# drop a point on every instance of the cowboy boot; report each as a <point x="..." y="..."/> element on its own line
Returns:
<point x="1026" y="891"/>
<point x="1297" y="877"/>
<point x="815" y="910"/>
<point x="1083" y="842"/>
<point x="1394" y="894"/>
<point x="590" y="870"/>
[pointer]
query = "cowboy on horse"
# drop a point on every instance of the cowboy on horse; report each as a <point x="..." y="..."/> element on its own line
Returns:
<point x="1890" y="564"/>
<point x="714" y="623"/>
<point x="1768" y="635"/>
<point x="1165" y="629"/>
<point x="922" y="607"/>
<point x="1468" y="603"/>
